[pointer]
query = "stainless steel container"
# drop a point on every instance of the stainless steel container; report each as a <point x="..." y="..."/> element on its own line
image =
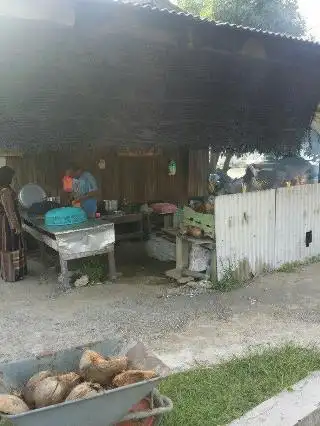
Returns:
<point x="54" y="199"/>
<point x="110" y="205"/>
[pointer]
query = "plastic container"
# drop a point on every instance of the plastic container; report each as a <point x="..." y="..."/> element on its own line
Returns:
<point x="164" y="208"/>
<point x="65" y="216"/>
<point x="76" y="203"/>
<point x="67" y="183"/>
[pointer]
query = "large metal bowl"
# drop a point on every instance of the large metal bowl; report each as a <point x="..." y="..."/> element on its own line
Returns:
<point x="31" y="194"/>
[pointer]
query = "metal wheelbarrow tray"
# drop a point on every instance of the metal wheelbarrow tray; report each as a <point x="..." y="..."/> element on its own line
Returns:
<point x="101" y="410"/>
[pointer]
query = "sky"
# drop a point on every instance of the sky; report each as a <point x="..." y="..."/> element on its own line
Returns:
<point x="310" y="10"/>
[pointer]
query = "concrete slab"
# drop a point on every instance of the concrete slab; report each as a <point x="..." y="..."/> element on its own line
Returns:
<point x="301" y="406"/>
<point x="174" y="274"/>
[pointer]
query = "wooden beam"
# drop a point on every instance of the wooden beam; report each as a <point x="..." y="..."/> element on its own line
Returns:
<point x="10" y="153"/>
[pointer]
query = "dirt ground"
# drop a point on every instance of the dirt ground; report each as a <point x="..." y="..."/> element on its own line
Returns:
<point x="181" y="329"/>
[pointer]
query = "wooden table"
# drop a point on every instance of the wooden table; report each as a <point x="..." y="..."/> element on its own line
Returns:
<point x="90" y="238"/>
<point x="120" y="221"/>
<point x="183" y="245"/>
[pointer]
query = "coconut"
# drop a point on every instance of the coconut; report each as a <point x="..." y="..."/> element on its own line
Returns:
<point x="55" y="389"/>
<point x="11" y="404"/>
<point x="28" y="390"/>
<point x="95" y="368"/>
<point x="85" y="390"/>
<point x="132" y="376"/>
<point x="195" y="232"/>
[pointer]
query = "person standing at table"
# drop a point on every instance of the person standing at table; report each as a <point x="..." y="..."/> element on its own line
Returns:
<point x="12" y="253"/>
<point x="84" y="188"/>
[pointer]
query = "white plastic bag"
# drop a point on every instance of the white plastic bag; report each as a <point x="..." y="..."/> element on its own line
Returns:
<point x="199" y="258"/>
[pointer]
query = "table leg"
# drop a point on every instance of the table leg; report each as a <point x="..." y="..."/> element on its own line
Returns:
<point x="112" y="266"/>
<point x="43" y="254"/>
<point x="64" y="274"/>
<point x="141" y="229"/>
<point x="182" y="253"/>
<point x="146" y="226"/>
<point x="168" y="221"/>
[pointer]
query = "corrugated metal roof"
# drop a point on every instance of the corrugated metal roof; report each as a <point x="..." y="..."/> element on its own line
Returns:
<point x="154" y="6"/>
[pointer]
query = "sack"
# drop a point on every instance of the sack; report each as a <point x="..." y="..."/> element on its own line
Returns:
<point x="13" y="265"/>
<point x="199" y="258"/>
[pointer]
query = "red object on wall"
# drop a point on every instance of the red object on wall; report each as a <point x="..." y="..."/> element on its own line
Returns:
<point x="67" y="182"/>
<point x="143" y="405"/>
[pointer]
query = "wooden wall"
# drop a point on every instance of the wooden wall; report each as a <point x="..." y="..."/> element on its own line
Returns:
<point x="36" y="168"/>
<point x="198" y="172"/>
<point x="138" y="179"/>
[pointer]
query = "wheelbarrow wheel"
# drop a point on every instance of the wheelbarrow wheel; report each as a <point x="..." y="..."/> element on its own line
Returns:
<point x="152" y="412"/>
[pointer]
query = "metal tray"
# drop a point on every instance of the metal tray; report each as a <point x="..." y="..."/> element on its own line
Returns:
<point x="30" y="194"/>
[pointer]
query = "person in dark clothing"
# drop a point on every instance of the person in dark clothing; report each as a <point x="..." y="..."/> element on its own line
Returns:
<point x="12" y="253"/>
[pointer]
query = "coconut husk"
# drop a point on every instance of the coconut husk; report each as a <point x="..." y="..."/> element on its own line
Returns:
<point x="11" y="404"/>
<point x="132" y="376"/>
<point x="54" y="390"/>
<point x="28" y="390"/>
<point x="85" y="390"/>
<point x="95" y="368"/>
<point x="195" y="232"/>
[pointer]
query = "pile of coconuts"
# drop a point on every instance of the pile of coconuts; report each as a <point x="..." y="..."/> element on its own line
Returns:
<point x="95" y="376"/>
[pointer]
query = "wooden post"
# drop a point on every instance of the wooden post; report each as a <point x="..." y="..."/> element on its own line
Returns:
<point x="112" y="265"/>
<point x="168" y="221"/>
<point x="182" y="253"/>
<point x="64" y="274"/>
<point x="214" y="272"/>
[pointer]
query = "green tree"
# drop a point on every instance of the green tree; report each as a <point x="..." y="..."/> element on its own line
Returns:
<point x="281" y="16"/>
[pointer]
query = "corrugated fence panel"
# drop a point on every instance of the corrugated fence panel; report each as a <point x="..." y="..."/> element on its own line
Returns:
<point x="245" y="235"/>
<point x="297" y="213"/>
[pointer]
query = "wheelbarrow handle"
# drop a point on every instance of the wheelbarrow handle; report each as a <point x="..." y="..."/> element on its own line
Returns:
<point x="166" y="406"/>
<point x="166" y="403"/>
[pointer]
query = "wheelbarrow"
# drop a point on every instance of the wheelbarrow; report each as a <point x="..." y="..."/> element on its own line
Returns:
<point x="109" y="408"/>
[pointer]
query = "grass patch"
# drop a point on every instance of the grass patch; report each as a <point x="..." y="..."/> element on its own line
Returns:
<point x="94" y="267"/>
<point x="215" y="396"/>
<point x="289" y="268"/>
<point x="231" y="278"/>
<point x="295" y="266"/>
<point x="228" y="282"/>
